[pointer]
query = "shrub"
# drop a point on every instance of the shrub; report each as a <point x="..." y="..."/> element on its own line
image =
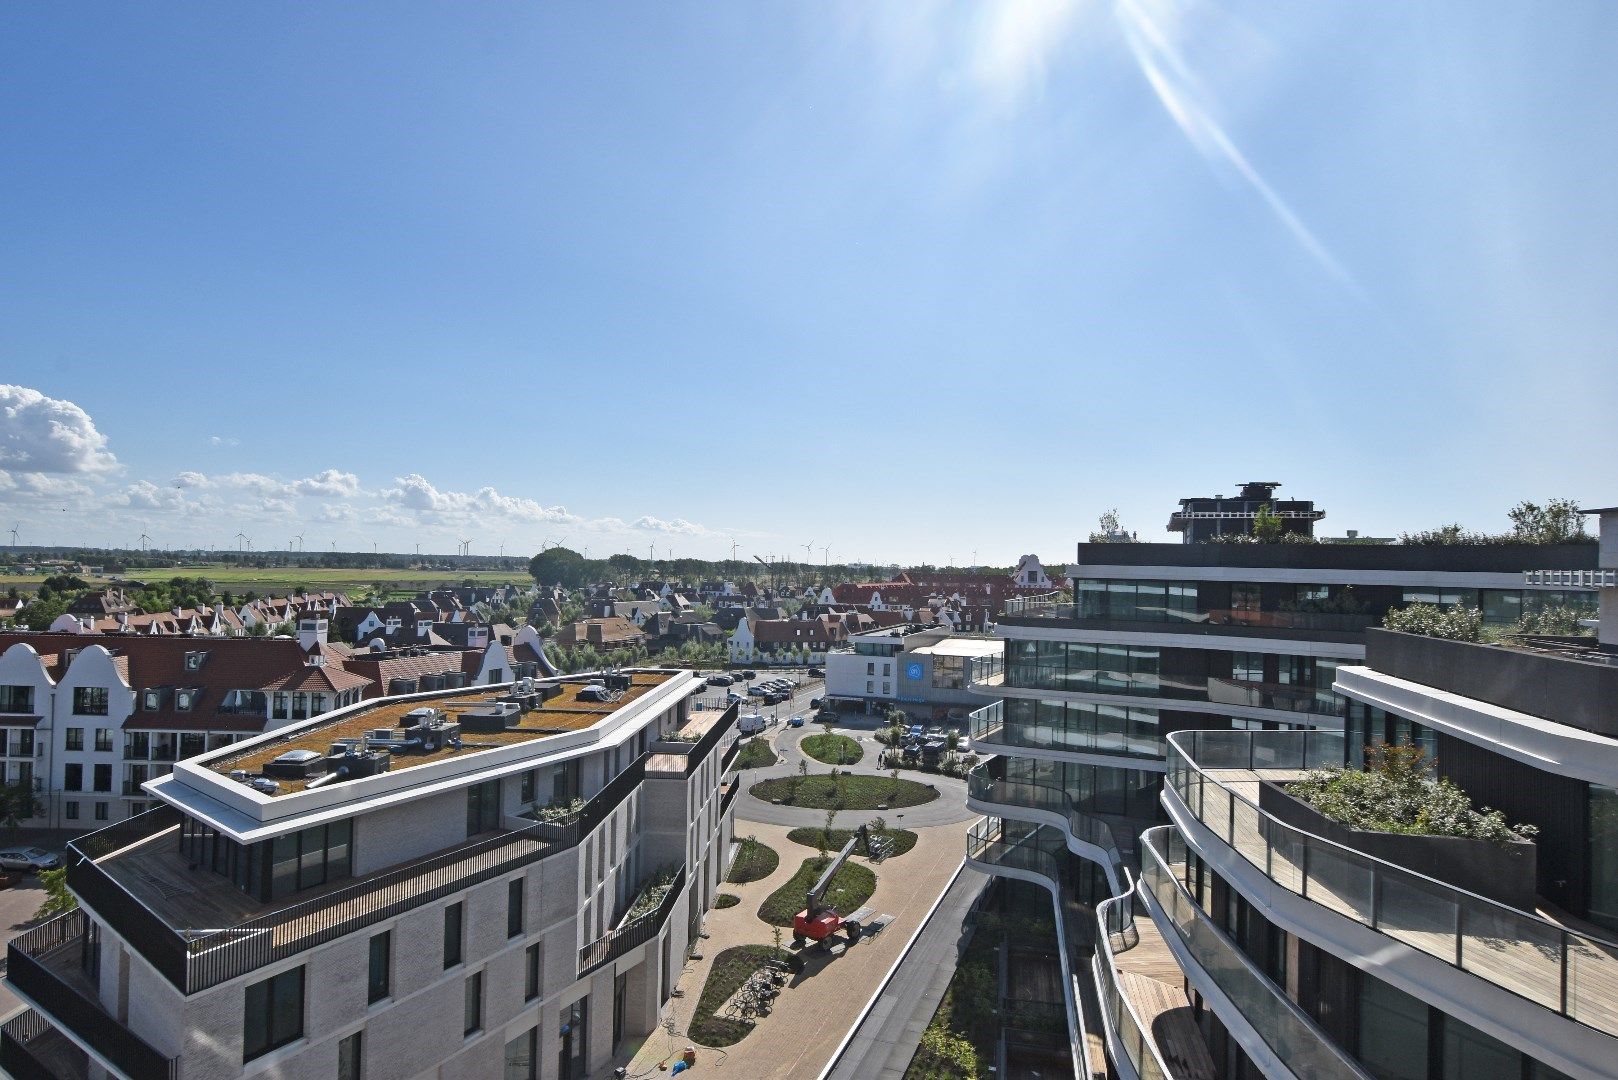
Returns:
<point x="1454" y="623"/>
<point x="852" y="885"/>
<point x="1397" y="793"/>
<point x="754" y="862"/>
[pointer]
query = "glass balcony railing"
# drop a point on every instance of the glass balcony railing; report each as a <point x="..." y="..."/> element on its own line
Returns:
<point x="1006" y="727"/>
<point x="1286" y="1029"/>
<point x="1129" y="1031"/>
<point x="1052" y="800"/>
<point x="987" y="843"/>
<point x="1570" y="973"/>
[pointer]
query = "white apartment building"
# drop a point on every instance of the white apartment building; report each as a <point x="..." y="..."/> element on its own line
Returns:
<point x="494" y="881"/>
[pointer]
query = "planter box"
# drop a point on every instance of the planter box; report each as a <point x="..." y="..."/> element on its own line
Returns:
<point x="1502" y="872"/>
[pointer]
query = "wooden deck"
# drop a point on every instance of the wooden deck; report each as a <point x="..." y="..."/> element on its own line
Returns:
<point x="1150" y="977"/>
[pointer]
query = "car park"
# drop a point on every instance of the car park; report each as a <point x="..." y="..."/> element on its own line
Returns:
<point x="29" y="859"/>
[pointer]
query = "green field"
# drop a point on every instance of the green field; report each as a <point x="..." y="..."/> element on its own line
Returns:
<point x="285" y="579"/>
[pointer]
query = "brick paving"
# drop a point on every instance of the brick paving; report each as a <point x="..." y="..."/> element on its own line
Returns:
<point x="817" y="1008"/>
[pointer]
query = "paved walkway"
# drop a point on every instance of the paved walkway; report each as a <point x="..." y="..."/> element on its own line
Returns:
<point x="815" y="1010"/>
<point x="948" y="809"/>
<point x="886" y="1040"/>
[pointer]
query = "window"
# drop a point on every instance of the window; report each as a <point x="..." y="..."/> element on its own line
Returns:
<point x="137" y="745"/>
<point x="70" y="810"/>
<point x="101" y="811"/>
<point x="522" y="1056"/>
<point x="273" y="1015"/>
<point x="870" y="669"/>
<point x="16" y="699"/>
<point x="531" y="973"/>
<point x="72" y="776"/>
<point x="514" y="908"/>
<point x="348" y="1058"/>
<point x="530" y="785"/>
<point x="278" y="706"/>
<point x="482" y="807"/>
<point x="379" y="984"/>
<point x="74" y="737"/>
<point x="575" y="1038"/>
<point x="89" y="701"/>
<point x="472" y="1017"/>
<point x="452" y="936"/>
<point x="103" y="777"/>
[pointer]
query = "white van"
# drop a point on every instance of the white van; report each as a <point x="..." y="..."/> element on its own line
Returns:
<point x="750" y="723"/>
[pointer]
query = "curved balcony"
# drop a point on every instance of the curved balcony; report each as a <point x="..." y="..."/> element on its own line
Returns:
<point x="1277" y="1035"/>
<point x="1572" y="974"/>
<point x="1130" y="1043"/>
<point x="1082" y="743"/>
<point x="1086" y="835"/>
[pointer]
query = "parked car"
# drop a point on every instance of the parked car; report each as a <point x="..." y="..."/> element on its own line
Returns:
<point x="720" y="680"/>
<point x="817" y="673"/>
<point x="29" y="859"/>
<point x="732" y="698"/>
<point x="916" y="731"/>
<point x="815" y="703"/>
<point x="749" y="675"/>
<point x="796" y="721"/>
<point x="756" y="691"/>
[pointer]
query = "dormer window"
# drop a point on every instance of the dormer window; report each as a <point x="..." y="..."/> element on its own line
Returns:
<point x="194" y="660"/>
<point x="184" y="699"/>
<point x="152" y="700"/>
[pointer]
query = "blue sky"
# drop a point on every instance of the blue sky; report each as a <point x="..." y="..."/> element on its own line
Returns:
<point x="916" y="279"/>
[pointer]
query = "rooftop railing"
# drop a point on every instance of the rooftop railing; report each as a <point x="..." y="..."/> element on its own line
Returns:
<point x="194" y="960"/>
<point x="29" y="962"/>
<point x="1570" y="973"/>
<point x="1285" y="1028"/>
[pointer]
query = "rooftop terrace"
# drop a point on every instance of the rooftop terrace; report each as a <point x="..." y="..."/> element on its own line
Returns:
<point x="566" y="711"/>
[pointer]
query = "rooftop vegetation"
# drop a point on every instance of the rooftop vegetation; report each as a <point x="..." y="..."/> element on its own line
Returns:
<point x="1397" y="792"/>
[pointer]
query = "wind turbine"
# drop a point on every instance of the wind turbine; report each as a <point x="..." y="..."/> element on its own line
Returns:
<point x="808" y="551"/>
<point x="299" y="539"/>
<point x="144" y="541"/>
<point x="825" y="555"/>
<point x="243" y="541"/>
<point x="14" y="529"/>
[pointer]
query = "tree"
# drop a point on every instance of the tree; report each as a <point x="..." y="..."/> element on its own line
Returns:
<point x="57" y="898"/>
<point x="559" y="566"/>
<point x="17" y="802"/>
<point x="1110" y="530"/>
<point x="1268" y="527"/>
<point x="1557" y="522"/>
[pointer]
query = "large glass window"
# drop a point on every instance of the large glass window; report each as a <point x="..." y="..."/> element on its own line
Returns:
<point x="273" y="1015"/>
<point x="522" y="1056"/>
<point x="89" y="701"/>
<point x="1604" y="856"/>
<point x="1065" y="725"/>
<point x="1393" y="1032"/>
<point x="452" y="935"/>
<point x="575" y="1038"/>
<point x="16" y="699"/>
<point x="73" y="738"/>
<point x="310" y="857"/>
<point x="379" y="982"/>
<point x="1137" y="601"/>
<point x="482" y="807"/>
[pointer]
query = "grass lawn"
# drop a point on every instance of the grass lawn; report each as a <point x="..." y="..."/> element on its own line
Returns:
<point x="726" y="899"/>
<point x="852" y="886"/>
<point x="832" y="749"/>
<point x="753" y="862"/>
<point x="818" y="792"/>
<point x="756" y="754"/>
<point x="899" y="840"/>
<point x="730" y="970"/>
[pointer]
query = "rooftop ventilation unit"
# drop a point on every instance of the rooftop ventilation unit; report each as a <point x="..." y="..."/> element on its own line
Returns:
<point x="599" y="692"/>
<point x="264" y="785"/>
<point x="496" y="716"/>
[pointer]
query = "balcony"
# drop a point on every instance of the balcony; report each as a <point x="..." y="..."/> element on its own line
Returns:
<point x="44" y="965"/>
<point x="1210" y="622"/>
<point x="985" y="674"/>
<point x="1149" y="1023"/>
<point x="31" y="1049"/>
<point x="992" y="734"/>
<point x="129" y="872"/>
<point x="1214" y="778"/>
<point x="621" y="939"/>
<point x="1087" y="835"/>
<point x="1567" y="686"/>
<point x="1025" y="857"/>
<point x="1257" y="1013"/>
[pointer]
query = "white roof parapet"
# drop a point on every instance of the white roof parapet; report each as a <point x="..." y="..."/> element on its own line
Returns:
<point x="1572" y="579"/>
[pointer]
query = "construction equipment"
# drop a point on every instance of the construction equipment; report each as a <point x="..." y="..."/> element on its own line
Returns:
<point x="818" y="920"/>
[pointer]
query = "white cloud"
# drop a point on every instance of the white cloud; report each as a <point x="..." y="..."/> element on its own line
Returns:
<point x="416" y="492"/>
<point x="1015" y="43"/>
<point x="39" y="434"/>
<point x="145" y="495"/>
<point x="678" y="526"/>
<point x="330" y="483"/>
<point x="223" y="440"/>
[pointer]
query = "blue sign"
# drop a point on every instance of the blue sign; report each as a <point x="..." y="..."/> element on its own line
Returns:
<point x="914" y="670"/>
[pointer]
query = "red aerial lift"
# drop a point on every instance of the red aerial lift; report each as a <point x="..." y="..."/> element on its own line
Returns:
<point x="818" y="921"/>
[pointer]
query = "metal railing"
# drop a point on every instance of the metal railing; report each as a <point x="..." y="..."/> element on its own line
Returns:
<point x="1084" y="827"/>
<point x="196" y="961"/>
<point x="728" y="797"/>
<point x="1034" y="606"/>
<point x="1570" y="973"/>
<point x="1285" y="1028"/>
<point x="613" y="944"/>
<point x="70" y="1007"/>
<point x="17" y="1058"/>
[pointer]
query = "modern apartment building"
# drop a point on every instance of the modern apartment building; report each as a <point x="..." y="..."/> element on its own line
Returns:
<point x="493" y="881"/>
<point x="922" y="670"/>
<point x="1162" y="645"/>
